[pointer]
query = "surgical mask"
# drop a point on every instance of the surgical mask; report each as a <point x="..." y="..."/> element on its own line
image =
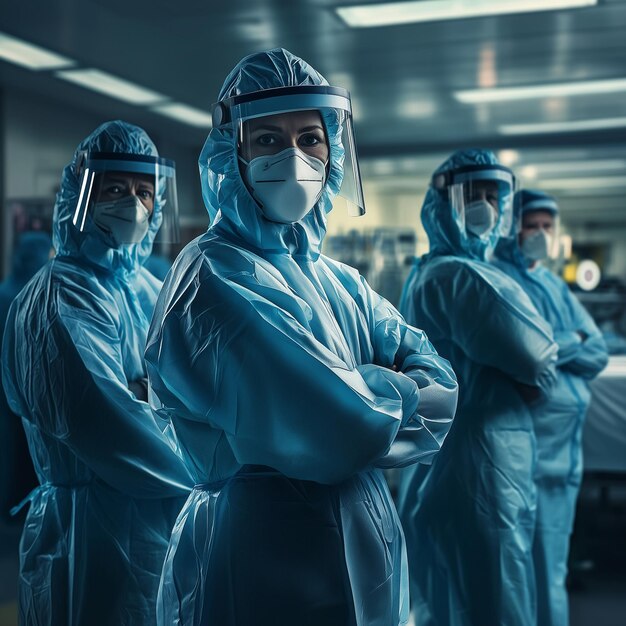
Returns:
<point x="286" y="185"/>
<point x="126" y="219"/>
<point x="480" y="218"/>
<point x="536" y="247"/>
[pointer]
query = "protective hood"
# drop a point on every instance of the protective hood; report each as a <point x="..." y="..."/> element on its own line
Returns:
<point x="92" y="244"/>
<point x="232" y="210"/>
<point x="524" y="201"/>
<point x="446" y="233"/>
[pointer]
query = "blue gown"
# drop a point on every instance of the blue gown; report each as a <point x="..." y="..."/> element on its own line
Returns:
<point x="273" y="364"/>
<point x="112" y="484"/>
<point x="469" y="519"/>
<point x="558" y="423"/>
<point x="17" y="476"/>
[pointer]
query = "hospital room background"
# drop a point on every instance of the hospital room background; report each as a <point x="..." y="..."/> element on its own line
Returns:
<point x="541" y="83"/>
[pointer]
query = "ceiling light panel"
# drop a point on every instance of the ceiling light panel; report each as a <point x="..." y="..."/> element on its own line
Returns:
<point x="505" y="94"/>
<point x="393" y="13"/>
<point x="562" y="127"/>
<point x="110" y="85"/>
<point x="28" y="55"/>
<point x="186" y="114"/>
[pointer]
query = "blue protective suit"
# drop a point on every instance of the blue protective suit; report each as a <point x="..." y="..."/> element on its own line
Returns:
<point x="95" y="536"/>
<point x="558" y="419"/>
<point x="17" y="476"/>
<point x="273" y="363"/>
<point x="469" y="519"/>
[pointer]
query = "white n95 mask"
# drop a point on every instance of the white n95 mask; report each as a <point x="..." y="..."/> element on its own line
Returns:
<point x="536" y="247"/>
<point x="126" y="219"/>
<point x="286" y="185"/>
<point x="480" y="218"/>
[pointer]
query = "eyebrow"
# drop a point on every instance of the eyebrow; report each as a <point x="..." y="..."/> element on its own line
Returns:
<point x="120" y="179"/>
<point x="267" y="127"/>
<point x="279" y="129"/>
<point x="115" y="179"/>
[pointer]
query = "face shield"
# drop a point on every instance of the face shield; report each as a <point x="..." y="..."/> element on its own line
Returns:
<point x="538" y="230"/>
<point x="120" y="191"/>
<point x="287" y="140"/>
<point x="481" y="196"/>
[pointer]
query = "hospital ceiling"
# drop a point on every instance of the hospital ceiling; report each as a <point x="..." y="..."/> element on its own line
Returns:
<point x="405" y="79"/>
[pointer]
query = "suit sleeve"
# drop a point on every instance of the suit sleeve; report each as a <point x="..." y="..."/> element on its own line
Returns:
<point x="585" y="355"/>
<point x="66" y="377"/>
<point x="220" y="354"/>
<point x="494" y="322"/>
<point x="398" y="344"/>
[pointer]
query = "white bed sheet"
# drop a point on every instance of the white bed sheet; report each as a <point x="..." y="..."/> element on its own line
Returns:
<point x="604" y="437"/>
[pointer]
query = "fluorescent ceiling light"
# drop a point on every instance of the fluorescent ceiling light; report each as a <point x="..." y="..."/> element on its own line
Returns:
<point x="508" y="157"/>
<point x="28" y="55"/>
<point x="502" y="94"/>
<point x="584" y="183"/>
<point x="383" y="167"/>
<point x="560" y="127"/>
<point x="184" y="113"/>
<point x="390" y="13"/>
<point x="416" y="109"/>
<point x="111" y="86"/>
<point x="574" y="167"/>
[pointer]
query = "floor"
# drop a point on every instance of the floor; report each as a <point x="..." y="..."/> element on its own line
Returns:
<point x="598" y="570"/>
<point x="598" y="549"/>
<point x="9" y="538"/>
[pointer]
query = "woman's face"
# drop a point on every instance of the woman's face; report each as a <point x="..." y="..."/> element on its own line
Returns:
<point x="116" y="185"/>
<point x="274" y="133"/>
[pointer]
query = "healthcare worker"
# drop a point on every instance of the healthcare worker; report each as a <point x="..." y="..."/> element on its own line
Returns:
<point x="469" y="520"/>
<point x="558" y="419"/>
<point x="17" y="476"/>
<point x="112" y="483"/>
<point x="289" y="382"/>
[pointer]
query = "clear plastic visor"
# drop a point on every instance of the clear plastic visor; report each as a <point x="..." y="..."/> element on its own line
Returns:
<point x="493" y="186"/>
<point x="315" y="120"/>
<point x="537" y="217"/>
<point x="108" y="177"/>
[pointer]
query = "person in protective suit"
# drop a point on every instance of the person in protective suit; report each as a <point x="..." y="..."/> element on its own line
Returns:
<point x="112" y="482"/>
<point x="469" y="519"/>
<point x="17" y="475"/>
<point x="558" y="419"/>
<point x="289" y="382"/>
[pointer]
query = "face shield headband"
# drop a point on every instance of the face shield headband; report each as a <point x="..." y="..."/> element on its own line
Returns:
<point x="92" y="168"/>
<point x="239" y="109"/>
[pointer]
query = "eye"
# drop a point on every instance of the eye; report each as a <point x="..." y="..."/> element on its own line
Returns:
<point x="267" y="139"/>
<point x="310" y="140"/>
<point x="492" y="198"/>
<point x="146" y="194"/>
<point x="113" y="189"/>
